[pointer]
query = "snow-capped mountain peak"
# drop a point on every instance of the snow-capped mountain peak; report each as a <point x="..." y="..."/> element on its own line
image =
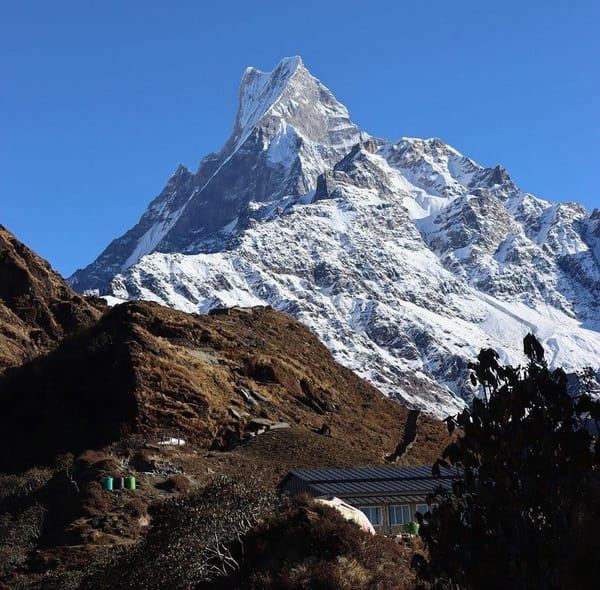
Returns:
<point x="291" y="97"/>
<point x="260" y="90"/>
<point x="288" y="130"/>
<point x="405" y="258"/>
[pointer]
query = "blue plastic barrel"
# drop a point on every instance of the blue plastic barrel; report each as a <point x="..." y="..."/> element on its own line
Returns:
<point x="107" y="483"/>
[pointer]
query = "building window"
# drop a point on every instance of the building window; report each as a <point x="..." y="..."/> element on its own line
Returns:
<point x="399" y="515"/>
<point x="423" y="508"/>
<point x="373" y="513"/>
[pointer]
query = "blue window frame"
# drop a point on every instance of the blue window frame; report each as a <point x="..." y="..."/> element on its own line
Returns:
<point x="373" y="513"/>
<point x="399" y="514"/>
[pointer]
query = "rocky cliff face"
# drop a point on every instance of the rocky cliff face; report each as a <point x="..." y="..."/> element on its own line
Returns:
<point x="289" y="128"/>
<point x="405" y="258"/>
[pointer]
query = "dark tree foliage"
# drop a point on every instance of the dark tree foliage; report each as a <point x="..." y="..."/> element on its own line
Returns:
<point x="524" y="501"/>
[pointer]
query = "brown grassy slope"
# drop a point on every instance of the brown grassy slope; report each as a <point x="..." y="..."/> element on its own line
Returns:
<point x="144" y="366"/>
<point x="37" y="307"/>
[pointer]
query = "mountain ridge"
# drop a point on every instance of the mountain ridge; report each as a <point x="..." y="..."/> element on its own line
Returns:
<point x="405" y="257"/>
<point x="290" y="166"/>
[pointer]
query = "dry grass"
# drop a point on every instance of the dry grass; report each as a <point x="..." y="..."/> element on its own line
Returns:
<point x="37" y="308"/>
<point x="133" y="371"/>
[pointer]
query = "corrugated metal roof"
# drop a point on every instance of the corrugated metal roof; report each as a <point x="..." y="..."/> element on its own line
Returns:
<point x="392" y="472"/>
<point x="380" y="500"/>
<point x="370" y="481"/>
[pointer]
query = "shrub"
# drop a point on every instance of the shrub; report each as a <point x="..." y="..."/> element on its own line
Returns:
<point x="19" y="535"/>
<point x="127" y="444"/>
<point x="306" y="545"/>
<point x="95" y="501"/>
<point x="90" y="457"/>
<point x="188" y="541"/>
<point x="176" y="483"/>
<point x="144" y="460"/>
<point x="25" y="484"/>
<point x="136" y="508"/>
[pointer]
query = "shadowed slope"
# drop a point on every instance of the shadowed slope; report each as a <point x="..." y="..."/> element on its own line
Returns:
<point x="144" y="367"/>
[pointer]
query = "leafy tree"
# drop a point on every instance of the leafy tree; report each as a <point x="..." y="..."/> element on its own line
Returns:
<point x="525" y="491"/>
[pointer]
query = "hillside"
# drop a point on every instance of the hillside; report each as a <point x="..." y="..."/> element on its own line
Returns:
<point x="87" y="391"/>
<point x="143" y="367"/>
<point x="37" y="307"/>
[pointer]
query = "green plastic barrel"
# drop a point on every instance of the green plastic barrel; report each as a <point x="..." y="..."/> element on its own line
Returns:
<point x="413" y="528"/>
<point x="130" y="482"/>
<point x="107" y="483"/>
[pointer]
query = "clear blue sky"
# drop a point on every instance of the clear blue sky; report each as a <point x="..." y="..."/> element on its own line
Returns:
<point x="100" y="100"/>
